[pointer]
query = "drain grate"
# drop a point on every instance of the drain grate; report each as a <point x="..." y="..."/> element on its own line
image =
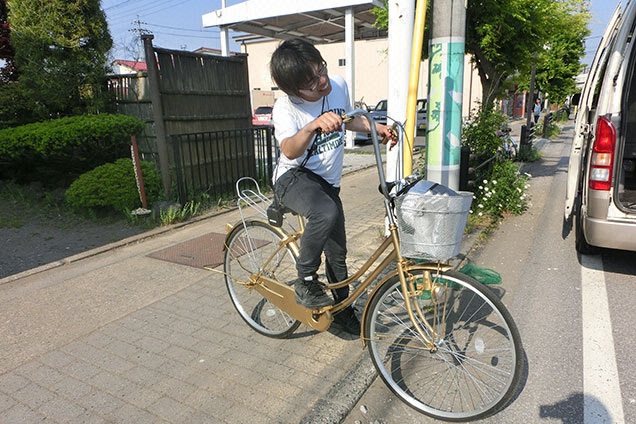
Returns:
<point x="203" y="251"/>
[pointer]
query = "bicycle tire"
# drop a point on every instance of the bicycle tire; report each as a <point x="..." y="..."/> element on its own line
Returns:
<point x="247" y="248"/>
<point x="478" y="361"/>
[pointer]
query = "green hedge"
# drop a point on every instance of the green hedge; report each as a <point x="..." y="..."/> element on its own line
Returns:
<point x="56" y="152"/>
<point x="113" y="186"/>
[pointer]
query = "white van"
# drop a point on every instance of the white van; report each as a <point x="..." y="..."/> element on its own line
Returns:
<point x="601" y="187"/>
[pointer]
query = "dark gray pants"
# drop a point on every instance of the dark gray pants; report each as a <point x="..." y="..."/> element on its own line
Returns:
<point x="310" y="196"/>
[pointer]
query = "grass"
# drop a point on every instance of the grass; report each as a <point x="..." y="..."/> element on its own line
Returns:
<point x="20" y="204"/>
<point x="10" y="222"/>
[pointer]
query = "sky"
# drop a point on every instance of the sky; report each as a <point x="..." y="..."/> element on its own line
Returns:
<point x="601" y="13"/>
<point x="176" y="24"/>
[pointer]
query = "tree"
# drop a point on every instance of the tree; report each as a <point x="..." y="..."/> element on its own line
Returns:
<point x="60" y="53"/>
<point x="502" y="36"/>
<point x="559" y="62"/>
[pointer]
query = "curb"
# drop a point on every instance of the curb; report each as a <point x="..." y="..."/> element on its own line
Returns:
<point x="343" y="397"/>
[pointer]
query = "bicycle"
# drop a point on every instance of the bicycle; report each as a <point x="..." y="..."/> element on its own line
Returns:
<point x="442" y="342"/>
<point x="509" y="148"/>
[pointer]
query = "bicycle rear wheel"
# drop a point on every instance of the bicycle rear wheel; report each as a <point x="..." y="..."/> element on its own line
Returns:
<point x="476" y="364"/>
<point x="248" y="247"/>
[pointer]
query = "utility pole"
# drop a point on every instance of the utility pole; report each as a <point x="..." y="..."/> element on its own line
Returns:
<point x="139" y="31"/>
<point x="446" y="80"/>
<point x="401" y="22"/>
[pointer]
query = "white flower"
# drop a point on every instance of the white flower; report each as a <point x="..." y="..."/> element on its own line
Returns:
<point x="494" y="182"/>
<point x="480" y="206"/>
<point x="481" y="214"/>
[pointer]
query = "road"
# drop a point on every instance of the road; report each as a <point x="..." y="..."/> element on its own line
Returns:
<point x="574" y="314"/>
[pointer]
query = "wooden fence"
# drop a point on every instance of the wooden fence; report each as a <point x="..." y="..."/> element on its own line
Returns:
<point x="183" y="93"/>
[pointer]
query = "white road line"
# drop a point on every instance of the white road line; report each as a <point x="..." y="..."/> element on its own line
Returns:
<point x="603" y="402"/>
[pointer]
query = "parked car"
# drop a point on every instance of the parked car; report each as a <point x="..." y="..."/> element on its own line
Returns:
<point x="361" y="136"/>
<point x="601" y="185"/>
<point x="379" y="113"/>
<point x="262" y="116"/>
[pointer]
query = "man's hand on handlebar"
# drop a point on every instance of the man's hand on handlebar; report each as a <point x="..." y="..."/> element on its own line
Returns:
<point x="327" y="123"/>
<point x="387" y="134"/>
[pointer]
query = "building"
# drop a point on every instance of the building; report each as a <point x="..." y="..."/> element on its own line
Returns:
<point x="371" y="69"/>
<point x="123" y="67"/>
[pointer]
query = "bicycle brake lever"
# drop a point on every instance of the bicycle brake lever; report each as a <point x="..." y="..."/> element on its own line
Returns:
<point x="346" y="118"/>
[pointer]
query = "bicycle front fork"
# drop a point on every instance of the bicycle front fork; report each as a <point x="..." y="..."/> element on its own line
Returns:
<point x="423" y="287"/>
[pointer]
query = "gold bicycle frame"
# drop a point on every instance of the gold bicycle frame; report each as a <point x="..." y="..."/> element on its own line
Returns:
<point x="283" y="296"/>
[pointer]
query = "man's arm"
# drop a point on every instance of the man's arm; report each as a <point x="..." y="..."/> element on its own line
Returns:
<point x="360" y="124"/>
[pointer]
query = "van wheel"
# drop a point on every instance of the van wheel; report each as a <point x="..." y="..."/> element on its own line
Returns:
<point x="580" y="243"/>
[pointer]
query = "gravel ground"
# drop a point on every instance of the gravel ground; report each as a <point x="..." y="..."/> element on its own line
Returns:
<point x="32" y="237"/>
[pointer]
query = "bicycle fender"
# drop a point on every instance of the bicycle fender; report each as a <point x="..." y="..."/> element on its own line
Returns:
<point x="229" y="228"/>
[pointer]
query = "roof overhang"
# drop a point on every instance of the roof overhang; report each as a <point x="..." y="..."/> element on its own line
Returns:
<point x="320" y="22"/>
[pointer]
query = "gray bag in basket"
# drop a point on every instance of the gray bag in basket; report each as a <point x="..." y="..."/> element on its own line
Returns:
<point x="431" y="219"/>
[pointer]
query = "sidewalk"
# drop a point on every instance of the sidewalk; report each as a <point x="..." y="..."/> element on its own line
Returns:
<point x="137" y="332"/>
<point x="118" y="335"/>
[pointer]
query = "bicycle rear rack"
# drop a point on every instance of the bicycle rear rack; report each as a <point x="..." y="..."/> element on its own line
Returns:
<point x="250" y="195"/>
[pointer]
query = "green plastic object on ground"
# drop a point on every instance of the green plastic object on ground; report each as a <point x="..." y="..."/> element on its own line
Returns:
<point x="483" y="275"/>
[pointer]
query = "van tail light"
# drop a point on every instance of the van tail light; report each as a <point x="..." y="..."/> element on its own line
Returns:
<point x="603" y="155"/>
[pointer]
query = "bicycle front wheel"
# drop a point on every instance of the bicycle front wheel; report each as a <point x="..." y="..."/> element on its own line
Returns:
<point x="248" y="247"/>
<point x="475" y="364"/>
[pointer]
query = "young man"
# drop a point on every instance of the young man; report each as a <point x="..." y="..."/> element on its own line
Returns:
<point x="310" y="131"/>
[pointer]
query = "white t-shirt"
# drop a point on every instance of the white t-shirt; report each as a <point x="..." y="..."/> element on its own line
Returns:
<point x="290" y="114"/>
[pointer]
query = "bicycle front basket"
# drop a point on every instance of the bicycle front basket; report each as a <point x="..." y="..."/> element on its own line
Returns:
<point x="431" y="220"/>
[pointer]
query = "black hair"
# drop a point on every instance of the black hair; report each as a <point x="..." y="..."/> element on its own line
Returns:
<point x="293" y="65"/>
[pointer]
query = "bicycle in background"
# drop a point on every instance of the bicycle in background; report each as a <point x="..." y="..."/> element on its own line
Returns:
<point x="509" y="147"/>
